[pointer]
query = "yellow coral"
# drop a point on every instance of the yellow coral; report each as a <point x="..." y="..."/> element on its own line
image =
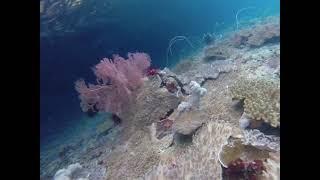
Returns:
<point x="261" y="98"/>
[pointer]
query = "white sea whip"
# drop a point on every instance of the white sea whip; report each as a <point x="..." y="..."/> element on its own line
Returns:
<point x="174" y="40"/>
<point x="238" y="12"/>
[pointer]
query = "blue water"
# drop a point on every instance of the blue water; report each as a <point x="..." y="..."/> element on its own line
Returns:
<point x="146" y="26"/>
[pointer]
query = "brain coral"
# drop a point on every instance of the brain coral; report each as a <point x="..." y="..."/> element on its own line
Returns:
<point x="261" y="98"/>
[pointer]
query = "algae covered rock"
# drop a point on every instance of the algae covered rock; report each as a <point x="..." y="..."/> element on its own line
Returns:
<point x="261" y="98"/>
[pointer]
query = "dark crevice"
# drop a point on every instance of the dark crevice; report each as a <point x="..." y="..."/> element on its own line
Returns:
<point x="210" y="78"/>
<point x="116" y="119"/>
<point x="205" y="80"/>
<point x="167" y="114"/>
<point x="180" y="85"/>
<point x="238" y="105"/>
<point x="267" y="129"/>
<point x="182" y="139"/>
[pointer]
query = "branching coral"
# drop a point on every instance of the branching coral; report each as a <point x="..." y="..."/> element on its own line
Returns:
<point x="261" y="98"/>
<point x="194" y="99"/>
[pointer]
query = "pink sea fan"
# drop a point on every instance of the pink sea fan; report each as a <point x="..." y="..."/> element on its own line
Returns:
<point x="116" y="79"/>
<point x="141" y="60"/>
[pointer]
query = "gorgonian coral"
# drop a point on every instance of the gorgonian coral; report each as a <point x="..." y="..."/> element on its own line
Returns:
<point x="116" y="79"/>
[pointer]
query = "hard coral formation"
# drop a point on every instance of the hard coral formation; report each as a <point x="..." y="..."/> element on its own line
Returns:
<point x="258" y="35"/>
<point x="199" y="161"/>
<point x="261" y="98"/>
<point x="239" y="169"/>
<point x="183" y="66"/>
<point x="133" y="159"/>
<point x="217" y="53"/>
<point x="171" y="82"/>
<point x="193" y="100"/>
<point x="244" y="121"/>
<point x="151" y="104"/>
<point x="72" y="172"/>
<point x="188" y="122"/>
<point x="163" y="127"/>
<point x="206" y="71"/>
<point x="272" y="167"/>
<point x="261" y="141"/>
<point x="236" y="149"/>
<point x="188" y="116"/>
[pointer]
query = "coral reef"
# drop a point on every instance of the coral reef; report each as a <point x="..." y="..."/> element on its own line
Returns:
<point x="212" y="53"/>
<point x="189" y="102"/>
<point x="105" y="127"/>
<point x="163" y="127"/>
<point x="261" y="98"/>
<point x="239" y="169"/>
<point x="236" y="149"/>
<point x="193" y="100"/>
<point x="244" y="121"/>
<point x="257" y="36"/>
<point x="187" y="122"/>
<point x="151" y="104"/>
<point x="206" y="71"/>
<point x="208" y="38"/>
<point x="199" y="161"/>
<point x="272" y="167"/>
<point x="183" y="66"/>
<point x="188" y="117"/>
<point x="261" y="141"/>
<point x="71" y="173"/>
<point x="133" y="159"/>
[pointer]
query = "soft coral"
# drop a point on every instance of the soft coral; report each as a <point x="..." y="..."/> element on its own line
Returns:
<point x="117" y="78"/>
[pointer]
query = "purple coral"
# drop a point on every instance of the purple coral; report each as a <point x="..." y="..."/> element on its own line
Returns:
<point x="116" y="79"/>
<point x="239" y="169"/>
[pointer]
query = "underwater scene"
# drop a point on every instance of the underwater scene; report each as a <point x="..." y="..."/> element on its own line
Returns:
<point x="159" y="90"/>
